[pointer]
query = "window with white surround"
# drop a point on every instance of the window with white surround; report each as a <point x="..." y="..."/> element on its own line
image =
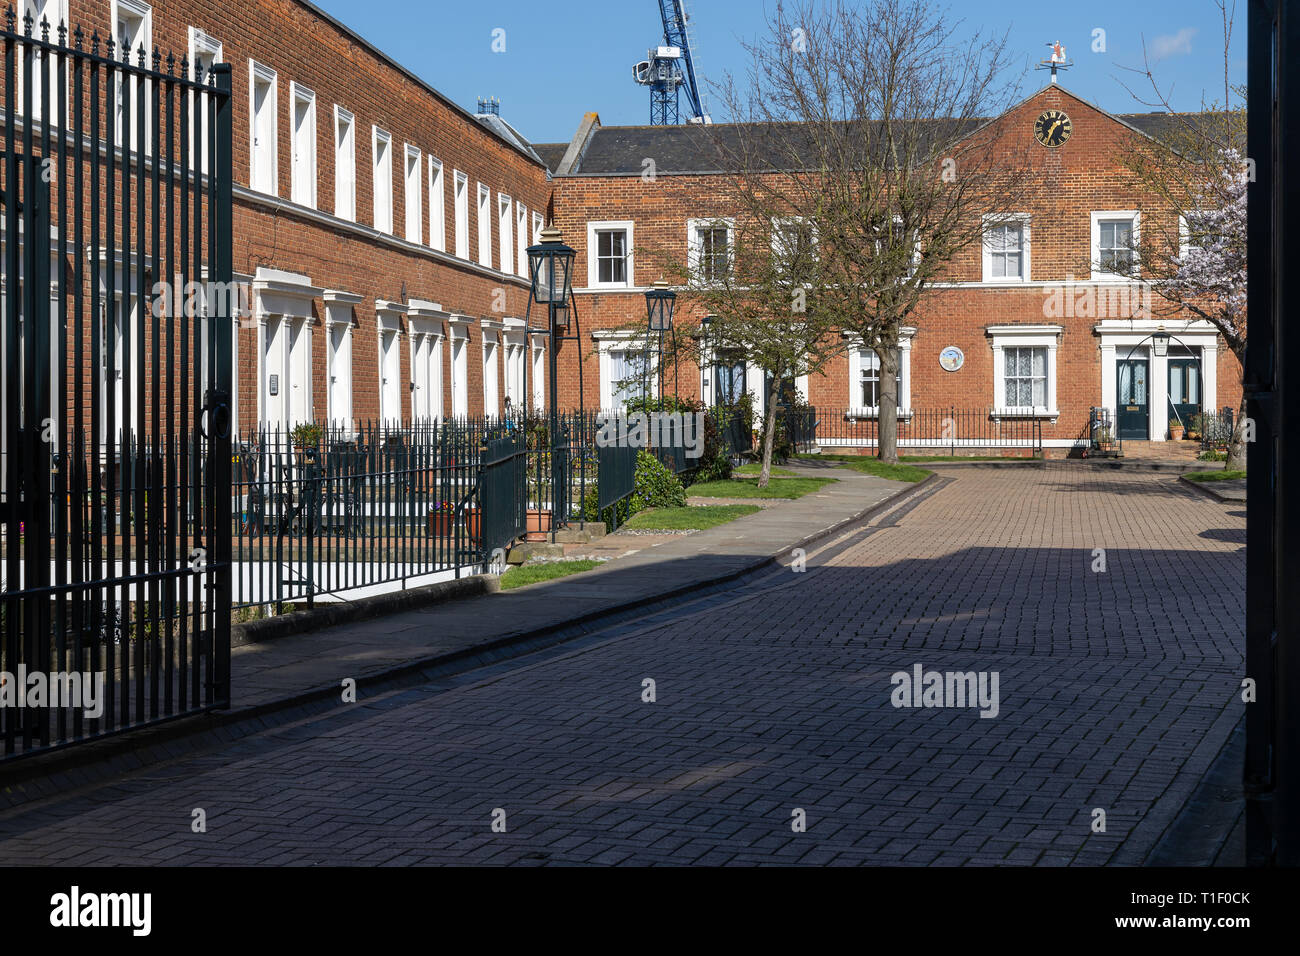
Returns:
<point x="626" y="369"/>
<point x="1006" y="248"/>
<point x="708" y="248"/>
<point x="1115" y="236"/>
<point x="868" y="380"/>
<point x="484" y="226"/>
<point x="505" y="232"/>
<point x="264" y="175"/>
<point x="1024" y="369"/>
<point x="491" y="376"/>
<point x="414" y="195"/>
<point x="864" y="377"/>
<point x="303" y="105"/>
<point x="538" y="224"/>
<point x="521" y="238"/>
<point x="461" y="200"/>
<point x="609" y="254"/>
<point x="437" y="207"/>
<point x="794" y="242"/>
<point x="132" y="31"/>
<point x="52" y="12"/>
<point x="345" y="165"/>
<point x="382" y="146"/>
<point x="205" y="53"/>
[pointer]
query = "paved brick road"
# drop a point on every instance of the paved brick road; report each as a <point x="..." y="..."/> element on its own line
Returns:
<point x="1116" y="689"/>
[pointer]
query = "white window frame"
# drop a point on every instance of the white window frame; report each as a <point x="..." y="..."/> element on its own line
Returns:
<point x="460" y="199"/>
<point x="694" y="249"/>
<point x="992" y="221"/>
<point x="144" y="13"/>
<point x="521" y="239"/>
<point x="302" y="179"/>
<point x="856" y="408"/>
<point x="259" y="74"/>
<point x="484" y="212"/>
<point x="40" y="9"/>
<point x="437" y="206"/>
<point x="1002" y="337"/>
<point x="537" y="373"/>
<point x="506" y="232"/>
<point x="345" y="164"/>
<point x="206" y="51"/>
<point x="1100" y="216"/>
<point x="593" y="264"/>
<point x="610" y="342"/>
<point x="381" y="166"/>
<point x="539" y="224"/>
<point x="779" y="223"/>
<point x="414" y="193"/>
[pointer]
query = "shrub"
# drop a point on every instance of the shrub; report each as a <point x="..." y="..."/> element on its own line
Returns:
<point x="656" y="485"/>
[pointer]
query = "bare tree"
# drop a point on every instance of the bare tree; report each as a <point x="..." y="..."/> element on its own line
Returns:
<point x="1193" y="256"/>
<point x="867" y="126"/>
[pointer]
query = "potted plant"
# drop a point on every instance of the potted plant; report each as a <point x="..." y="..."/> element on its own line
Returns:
<point x="1175" y="429"/>
<point x="442" y="520"/>
<point x="1196" y="427"/>
<point x="306" y="435"/>
<point x="539" y="524"/>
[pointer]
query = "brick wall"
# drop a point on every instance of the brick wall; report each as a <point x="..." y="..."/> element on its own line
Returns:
<point x="1080" y="177"/>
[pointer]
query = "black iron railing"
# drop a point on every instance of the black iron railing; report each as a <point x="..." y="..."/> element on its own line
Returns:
<point x="930" y="431"/>
<point x="114" y="397"/>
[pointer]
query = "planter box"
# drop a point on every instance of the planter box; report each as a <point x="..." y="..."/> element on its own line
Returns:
<point x="539" y="525"/>
<point x="442" y="525"/>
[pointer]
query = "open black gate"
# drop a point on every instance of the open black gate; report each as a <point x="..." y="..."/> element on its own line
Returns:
<point x="115" y="373"/>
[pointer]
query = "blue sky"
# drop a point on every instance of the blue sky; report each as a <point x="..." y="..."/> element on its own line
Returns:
<point x="564" y="58"/>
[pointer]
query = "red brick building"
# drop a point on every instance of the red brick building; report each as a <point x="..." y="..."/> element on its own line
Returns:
<point x="1029" y="330"/>
<point x="380" y="229"/>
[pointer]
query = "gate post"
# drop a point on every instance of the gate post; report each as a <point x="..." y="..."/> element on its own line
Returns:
<point x="220" y="489"/>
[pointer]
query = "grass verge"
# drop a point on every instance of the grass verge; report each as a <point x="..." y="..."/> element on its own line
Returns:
<point x="867" y="465"/>
<point x="748" y="488"/>
<point x="527" y="574"/>
<point x="1213" y="475"/>
<point x="695" y="518"/>
<point x="754" y="469"/>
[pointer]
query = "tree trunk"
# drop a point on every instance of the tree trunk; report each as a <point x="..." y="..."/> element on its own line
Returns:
<point x="769" y="432"/>
<point x="887" y="440"/>
<point x="1237" y="446"/>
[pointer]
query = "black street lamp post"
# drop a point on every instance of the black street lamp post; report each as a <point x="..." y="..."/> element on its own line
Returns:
<point x="659" y="304"/>
<point x="550" y="267"/>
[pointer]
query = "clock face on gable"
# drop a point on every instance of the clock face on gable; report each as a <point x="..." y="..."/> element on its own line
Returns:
<point x="1052" y="129"/>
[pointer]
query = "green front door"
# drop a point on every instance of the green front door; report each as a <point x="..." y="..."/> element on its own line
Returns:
<point x="1184" y="390"/>
<point x="1132" y="404"/>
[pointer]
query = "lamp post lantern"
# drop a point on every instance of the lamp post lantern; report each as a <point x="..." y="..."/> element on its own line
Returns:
<point x="1160" y="342"/>
<point x="659" y="304"/>
<point x="550" y="268"/>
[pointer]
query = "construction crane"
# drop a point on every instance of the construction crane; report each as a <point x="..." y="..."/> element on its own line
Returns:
<point x="669" y="70"/>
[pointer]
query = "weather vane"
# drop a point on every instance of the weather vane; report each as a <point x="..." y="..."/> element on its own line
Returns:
<point x="1057" y="61"/>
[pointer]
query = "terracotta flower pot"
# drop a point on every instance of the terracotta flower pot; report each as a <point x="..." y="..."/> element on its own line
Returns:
<point x="539" y="524"/>
<point x="442" y="524"/>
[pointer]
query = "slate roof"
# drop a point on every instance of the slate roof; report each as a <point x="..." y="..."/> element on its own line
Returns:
<point x="690" y="148"/>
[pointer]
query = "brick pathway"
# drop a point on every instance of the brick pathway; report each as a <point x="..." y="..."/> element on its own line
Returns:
<point x="1116" y="691"/>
